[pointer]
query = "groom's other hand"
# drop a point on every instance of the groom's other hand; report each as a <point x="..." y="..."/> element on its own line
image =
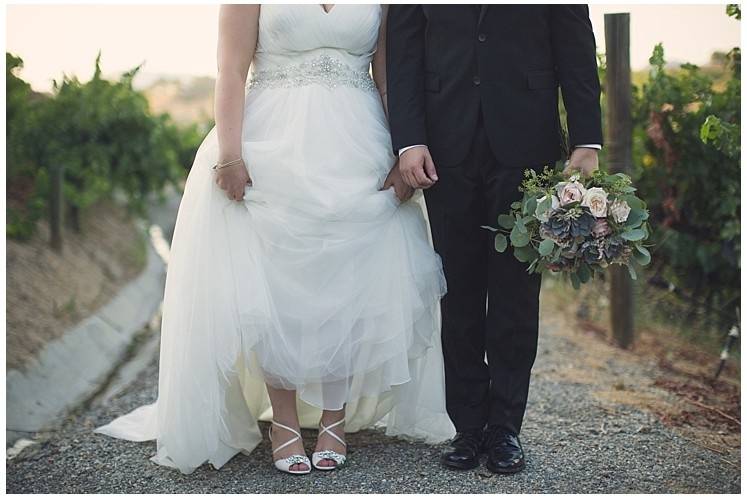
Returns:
<point x="417" y="168"/>
<point x="584" y="160"/>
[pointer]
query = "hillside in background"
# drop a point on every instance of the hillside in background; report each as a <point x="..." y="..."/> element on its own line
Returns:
<point x="187" y="100"/>
<point x="717" y="67"/>
<point x="190" y="99"/>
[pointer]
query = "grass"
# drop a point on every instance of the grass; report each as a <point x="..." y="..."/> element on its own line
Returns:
<point x="69" y="309"/>
<point x="138" y="253"/>
<point x="657" y="312"/>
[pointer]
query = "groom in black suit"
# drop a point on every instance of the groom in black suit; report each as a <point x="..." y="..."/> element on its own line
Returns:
<point x="473" y="101"/>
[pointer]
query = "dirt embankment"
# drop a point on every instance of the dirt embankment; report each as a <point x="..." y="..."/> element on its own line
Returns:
<point x="48" y="292"/>
<point x="662" y="373"/>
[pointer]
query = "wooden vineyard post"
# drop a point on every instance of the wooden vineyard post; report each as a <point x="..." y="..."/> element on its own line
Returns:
<point x="619" y="145"/>
<point x="56" y="206"/>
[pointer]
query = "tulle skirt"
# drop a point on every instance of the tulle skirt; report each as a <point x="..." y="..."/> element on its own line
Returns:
<point x="317" y="282"/>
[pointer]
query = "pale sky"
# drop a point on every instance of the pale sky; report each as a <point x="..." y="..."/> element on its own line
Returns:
<point x="180" y="39"/>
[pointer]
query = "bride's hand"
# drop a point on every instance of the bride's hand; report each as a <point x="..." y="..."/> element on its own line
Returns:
<point x="394" y="178"/>
<point x="233" y="180"/>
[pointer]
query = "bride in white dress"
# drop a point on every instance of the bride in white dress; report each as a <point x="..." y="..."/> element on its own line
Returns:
<point x="314" y="281"/>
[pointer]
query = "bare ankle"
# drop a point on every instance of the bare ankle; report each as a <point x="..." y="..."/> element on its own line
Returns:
<point x="330" y="416"/>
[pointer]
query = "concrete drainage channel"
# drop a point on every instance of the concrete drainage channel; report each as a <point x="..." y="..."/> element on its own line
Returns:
<point x="94" y="360"/>
<point x="143" y="346"/>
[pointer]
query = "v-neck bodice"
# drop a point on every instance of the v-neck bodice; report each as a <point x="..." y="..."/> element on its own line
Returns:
<point x="294" y="34"/>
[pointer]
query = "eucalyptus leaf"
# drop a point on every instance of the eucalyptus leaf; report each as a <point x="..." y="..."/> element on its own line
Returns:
<point x="541" y="266"/>
<point x="519" y="238"/>
<point x="642" y="256"/>
<point x="543" y="206"/>
<point x="530" y="205"/>
<point x="575" y="281"/>
<point x="533" y="266"/>
<point x="525" y="254"/>
<point x="506" y="221"/>
<point x="501" y="242"/>
<point x="584" y="273"/>
<point x="634" y="202"/>
<point x="546" y="247"/>
<point x="631" y="271"/>
<point x="636" y="217"/>
<point x="634" y="235"/>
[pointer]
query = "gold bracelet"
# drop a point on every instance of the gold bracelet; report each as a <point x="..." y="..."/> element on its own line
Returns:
<point x="225" y="165"/>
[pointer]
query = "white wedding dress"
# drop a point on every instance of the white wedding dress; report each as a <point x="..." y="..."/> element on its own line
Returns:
<point x="317" y="281"/>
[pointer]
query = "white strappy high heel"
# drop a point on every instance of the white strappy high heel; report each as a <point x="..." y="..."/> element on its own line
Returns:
<point x="284" y="464"/>
<point x="318" y="456"/>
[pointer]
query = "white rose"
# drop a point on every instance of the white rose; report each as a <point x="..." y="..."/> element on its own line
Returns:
<point x="596" y="200"/>
<point x="619" y="210"/>
<point x="569" y="192"/>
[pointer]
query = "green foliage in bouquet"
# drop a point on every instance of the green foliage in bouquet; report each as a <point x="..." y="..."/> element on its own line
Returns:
<point x="577" y="226"/>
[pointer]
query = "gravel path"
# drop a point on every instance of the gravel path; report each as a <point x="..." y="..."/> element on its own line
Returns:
<point x="574" y="444"/>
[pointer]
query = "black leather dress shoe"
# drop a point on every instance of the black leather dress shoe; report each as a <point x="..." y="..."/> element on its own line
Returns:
<point x="505" y="454"/>
<point x="464" y="450"/>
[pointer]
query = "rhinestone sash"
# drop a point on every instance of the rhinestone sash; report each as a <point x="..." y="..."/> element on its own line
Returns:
<point x="323" y="70"/>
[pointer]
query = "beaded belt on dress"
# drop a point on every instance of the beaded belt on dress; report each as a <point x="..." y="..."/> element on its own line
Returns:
<point x="323" y="70"/>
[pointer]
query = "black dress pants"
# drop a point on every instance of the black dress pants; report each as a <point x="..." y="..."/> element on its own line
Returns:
<point x="491" y="309"/>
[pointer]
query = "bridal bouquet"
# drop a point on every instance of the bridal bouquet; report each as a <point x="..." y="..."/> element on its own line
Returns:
<point x="577" y="226"/>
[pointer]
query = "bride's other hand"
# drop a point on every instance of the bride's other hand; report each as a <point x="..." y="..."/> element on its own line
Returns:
<point x="233" y="180"/>
<point x="394" y="179"/>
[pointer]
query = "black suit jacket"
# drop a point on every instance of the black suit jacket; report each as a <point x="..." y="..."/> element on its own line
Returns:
<point x="446" y="62"/>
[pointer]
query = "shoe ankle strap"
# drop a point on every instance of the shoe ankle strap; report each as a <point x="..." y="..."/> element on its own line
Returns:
<point x="290" y="441"/>
<point x="328" y="431"/>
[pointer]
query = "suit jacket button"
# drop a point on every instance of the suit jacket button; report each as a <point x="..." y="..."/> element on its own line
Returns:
<point x="481" y="37"/>
<point x="476" y="80"/>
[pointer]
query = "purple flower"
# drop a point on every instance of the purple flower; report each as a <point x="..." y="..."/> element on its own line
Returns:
<point x="601" y="228"/>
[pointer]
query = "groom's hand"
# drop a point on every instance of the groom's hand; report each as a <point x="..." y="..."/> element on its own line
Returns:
<point x="417" y="168"/>
<point x="584" y="160"/>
